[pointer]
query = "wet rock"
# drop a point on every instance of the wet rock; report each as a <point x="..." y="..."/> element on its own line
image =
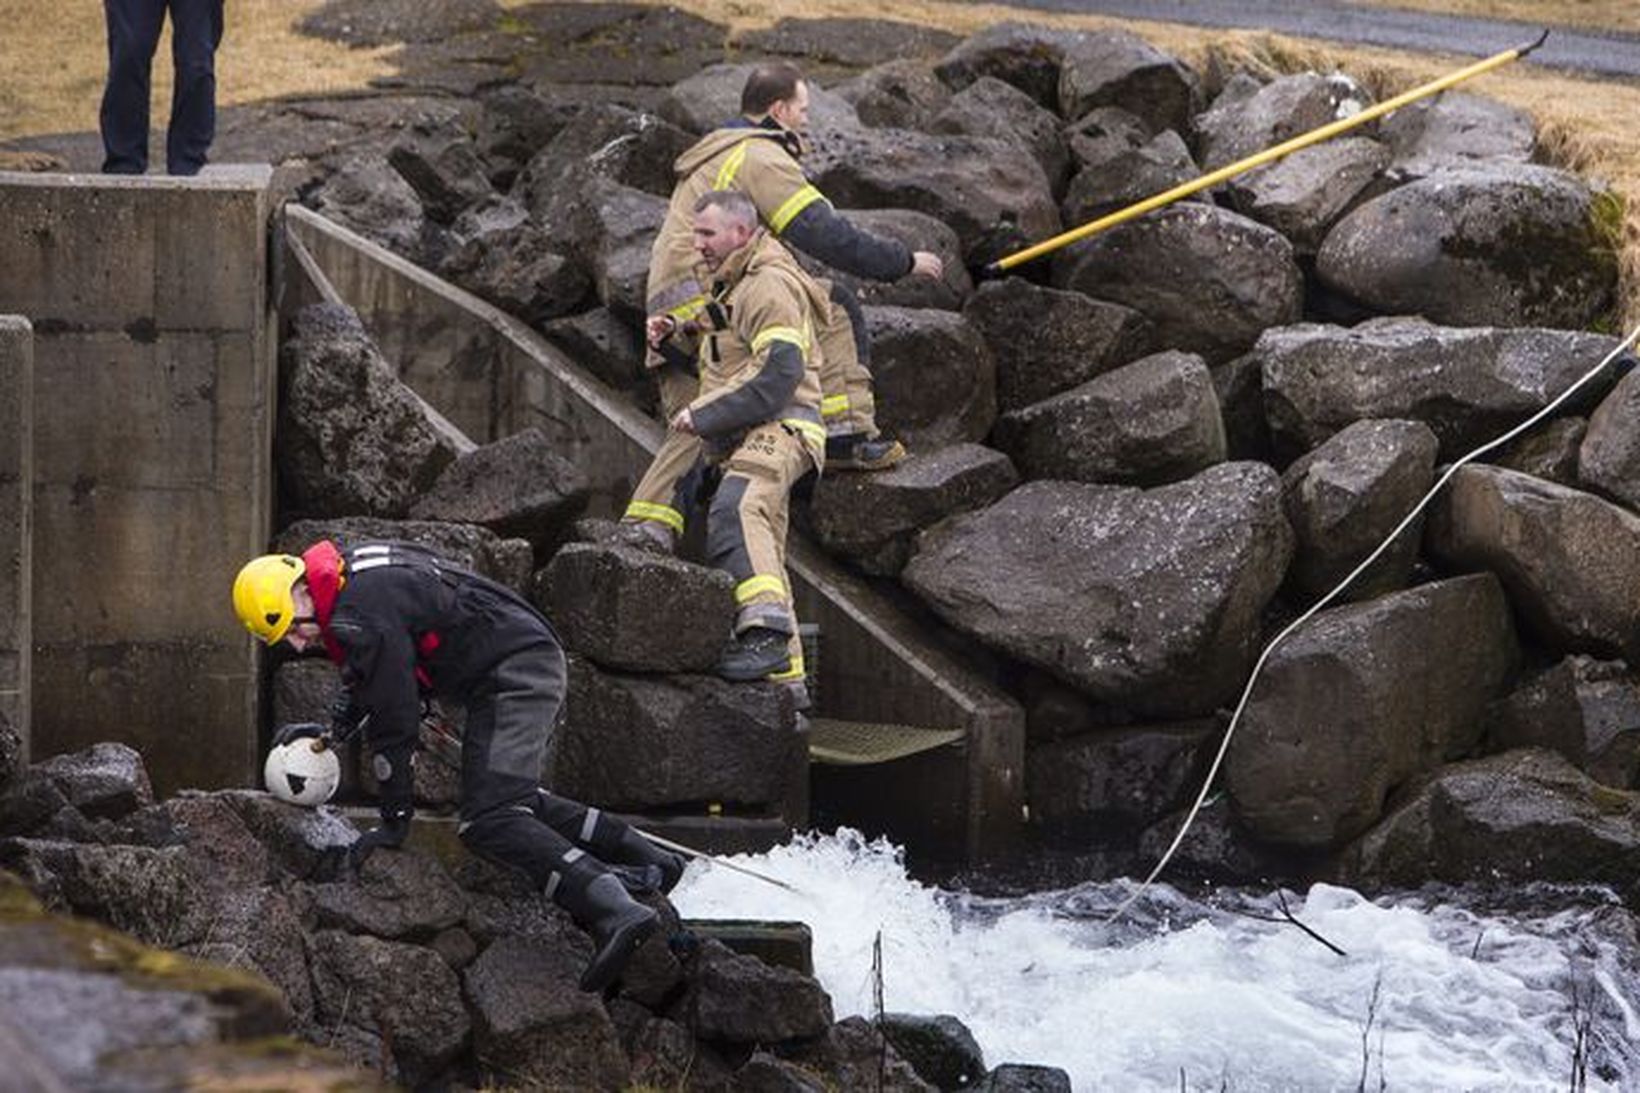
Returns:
<point x="511" y="263"/>
<point x="1112" y="780"/>
<point x="857" y="1055"/>
<point x="1237" y="126"/>
<point x="918" y="231"/>
<point x="1125" y="173"/>
<point x="1455" y="126"/>
<point x="1027" y="56"/>
<point x="1145" y="598"/>
<point x="1570" y="561"/>
<point x="625" y="608"/>
<point x="665" y="1055"/>
<point x="354" y="440"/>
<point x="1362" y="698"/>
<point x="468" y="545"/>
<point x="360" y="995"/>
<point x="106" y="780"/>
<point x="1022" y="1078"/>
<point x="1215" y="848"/>
<point x="939" y="1048"/>
<point x="741" y="1000"/>
<point x="989" y="107"/>
<point x="1588" y="710"/>
<point x="150" y="892"/>
<point x="1119" y="68"/>
<point x="1304" y="194"/>
<point x="398" y="895"/>
<point x="1146" y="423"/>
<point x="1211" y="280"/>
<point x="301" y="841"/>
<point x="442" y="164"/>
<point x="935" y="381"/>
<point x="902" y="94"/>
<point x="260" y="930"/>
<point x="1346" y="495"/>
<point x="369" y="196"/>
<point x="518" y="487"/>
<point x="633" y="148"/>
<point x="638" y="742"/>
<point x="765" y="1073"/>
<point x="711" y="97"/>
<point x="1467" y="384"/>
<point x="1046" y="341"/>
<point x="872" y="519"/>
<point x="609" y="347"/>
<point x="1549" y="452"/>
<point x="533" y="1023"/>
<point x="1524" y="816"/>
<point x="1609" y="458"/>
<point x="517" y="122"/>
<point x="1500" y="244"/>
<point x="995" y="199"/>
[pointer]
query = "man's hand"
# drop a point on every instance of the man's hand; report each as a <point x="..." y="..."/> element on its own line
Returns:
<point x="393" y="831"/>
<point x="683" y="423"/>
<point x="926" y="264"/>
<point x="657" y="328"/>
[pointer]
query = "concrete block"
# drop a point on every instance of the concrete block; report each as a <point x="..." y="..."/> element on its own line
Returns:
<point x="16" y="520"/>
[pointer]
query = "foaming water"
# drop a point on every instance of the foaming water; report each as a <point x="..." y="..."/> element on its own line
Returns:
<point x="1430" y="995"/>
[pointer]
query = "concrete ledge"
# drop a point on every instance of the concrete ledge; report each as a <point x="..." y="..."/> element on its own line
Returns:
<point x="493" y="375"/>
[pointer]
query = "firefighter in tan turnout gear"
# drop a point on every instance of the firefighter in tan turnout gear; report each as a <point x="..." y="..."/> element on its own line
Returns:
<point x="754" y="426"/>
<point x="757" y="155"/>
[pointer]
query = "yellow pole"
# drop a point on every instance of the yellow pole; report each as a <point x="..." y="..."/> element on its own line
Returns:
<point x="1259" y="159"/>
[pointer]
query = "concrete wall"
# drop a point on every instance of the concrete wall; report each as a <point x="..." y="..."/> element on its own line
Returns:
<point x="16" y="518"/>
<point x="154" y="386"/>
<point x="493" y="375"/>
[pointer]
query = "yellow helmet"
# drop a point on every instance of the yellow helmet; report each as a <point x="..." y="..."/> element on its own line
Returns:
<point x="261" y="594"/>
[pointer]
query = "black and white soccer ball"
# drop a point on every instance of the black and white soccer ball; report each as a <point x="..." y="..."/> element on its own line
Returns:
<point x="303" y="772"/>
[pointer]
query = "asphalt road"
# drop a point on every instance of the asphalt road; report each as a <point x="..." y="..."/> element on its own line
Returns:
<point x="1583" y="50"/>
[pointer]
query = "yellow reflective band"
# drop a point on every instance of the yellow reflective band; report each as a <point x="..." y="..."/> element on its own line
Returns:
<point x="759" y="585"/>
<point x="687" y="309"/>
<point x="793" y="205"/>
<point x="731" y="167"/>
<point x="796" y="671"/>
<point x="832" y="405"/>
<point x="810" y="430"/>
<point x="661" y="514"/>
<point x="781" y="334"/>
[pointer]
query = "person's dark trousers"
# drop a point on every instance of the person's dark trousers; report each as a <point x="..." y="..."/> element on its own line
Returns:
<point x="133" y="34"/>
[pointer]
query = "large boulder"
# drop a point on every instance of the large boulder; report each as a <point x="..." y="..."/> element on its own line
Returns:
<point x="369" y="196"/>
<point x="706" y="100"/>
<point x="1047" y="340"/>
<point x="516" y="122"/>
<point x="610" y="347"/>
<point x="1523" y="817"/>
<point x="1549" y="452"/>
<point x="918" y="231"/>
<point x="935" y="381"/>
<point x="1608" y="460"/>
<point x="518" y="487"/>
<point x="611" y="228"/>
<point x="1239" y="123"/>
<point x="1468" y="385"/>
<point x="505" y="259"/>
<point x="1119" y="68"/>
<point x="440" y="161"/>
<point x="353" y="439"/>
<point x="994" y="198"/>
<point x="621" y="607"/>
<point x="1303" y="195"/>
<point x="106" y="781"/>
<point x="939" y="1048"/>
<point x="990" y="107"/>
<point x="1025" y="55"/>
<point x="872" y="519"/>
<point x="741" y="1000"/>
<point x="630" y="147"/>
<point x="1362" y="698"/>
<point x="397" y="895"/>
<point x="1145" y="598"/>
<point x="1118" y="172"/>
<point x="1210" y="279"/>
<point x="902" y="94"/>
<point x="1116" y="780"/>
<point x="1588" y="710"/>
<point x="1153" y="421"/>
<point x="468" y="545"/>
<point x="1496" y="244"/>
<point x="1570" y="560"/>
<point x="639" y="742"/>
<point x="1455" y="126"/>
<point x="1344" y="497"/>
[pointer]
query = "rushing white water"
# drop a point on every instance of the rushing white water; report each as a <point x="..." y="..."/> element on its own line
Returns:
<point x="1464" y="1000"/>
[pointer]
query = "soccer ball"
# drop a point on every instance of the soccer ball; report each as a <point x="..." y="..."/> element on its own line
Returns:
<point x="302" y="772"/>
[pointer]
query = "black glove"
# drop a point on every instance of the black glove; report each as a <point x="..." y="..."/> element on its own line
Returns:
<point x="299" y="730"/>
<point x="394" y="829"/>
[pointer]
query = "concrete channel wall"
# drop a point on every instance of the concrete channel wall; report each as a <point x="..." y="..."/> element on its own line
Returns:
<point x="16" y="519"/>
<point x="152" y="431"/>
<point x="492" y="375"/>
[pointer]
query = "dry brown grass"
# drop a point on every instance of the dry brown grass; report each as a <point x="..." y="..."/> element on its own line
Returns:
<point x="52" y="61"/>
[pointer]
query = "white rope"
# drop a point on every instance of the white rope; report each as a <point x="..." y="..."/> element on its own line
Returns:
<point x="715" y="860"/>
<point x="1258" y="666"/>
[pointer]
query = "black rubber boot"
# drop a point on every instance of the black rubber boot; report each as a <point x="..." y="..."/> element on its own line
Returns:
<point x="618" y="925"/>
<point x="756" y="652"/>
<point x="665" y="868"/>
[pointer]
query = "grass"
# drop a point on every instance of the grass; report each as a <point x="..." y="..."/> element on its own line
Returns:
<point x="52" y="62"/>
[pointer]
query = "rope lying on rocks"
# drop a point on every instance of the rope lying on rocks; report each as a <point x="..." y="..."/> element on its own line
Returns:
<point x="1247" y="691"/>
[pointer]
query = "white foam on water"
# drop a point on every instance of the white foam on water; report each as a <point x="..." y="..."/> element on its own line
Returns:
<point x="1465" y="1002"/>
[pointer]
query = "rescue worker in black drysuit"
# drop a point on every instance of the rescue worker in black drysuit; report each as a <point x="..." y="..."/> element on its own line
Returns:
<point x="402" y="622"/>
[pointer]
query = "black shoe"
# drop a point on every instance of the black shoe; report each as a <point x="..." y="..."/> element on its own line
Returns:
<point x="856" y="452"/>
<point x="756" y="652"/>
<point x="618" y="925"/>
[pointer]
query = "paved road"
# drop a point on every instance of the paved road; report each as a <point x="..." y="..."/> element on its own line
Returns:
<point x="1582" y="50"/>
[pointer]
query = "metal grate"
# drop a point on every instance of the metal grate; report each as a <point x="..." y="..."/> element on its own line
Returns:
<point x="861" y="743"/>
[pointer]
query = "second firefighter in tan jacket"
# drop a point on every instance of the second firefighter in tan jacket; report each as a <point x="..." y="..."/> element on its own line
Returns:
<point x="756" y="421"/>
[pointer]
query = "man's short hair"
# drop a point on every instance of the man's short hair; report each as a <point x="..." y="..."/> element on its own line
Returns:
<point x="768" y="84"/>
<point x="734" y="204"/>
